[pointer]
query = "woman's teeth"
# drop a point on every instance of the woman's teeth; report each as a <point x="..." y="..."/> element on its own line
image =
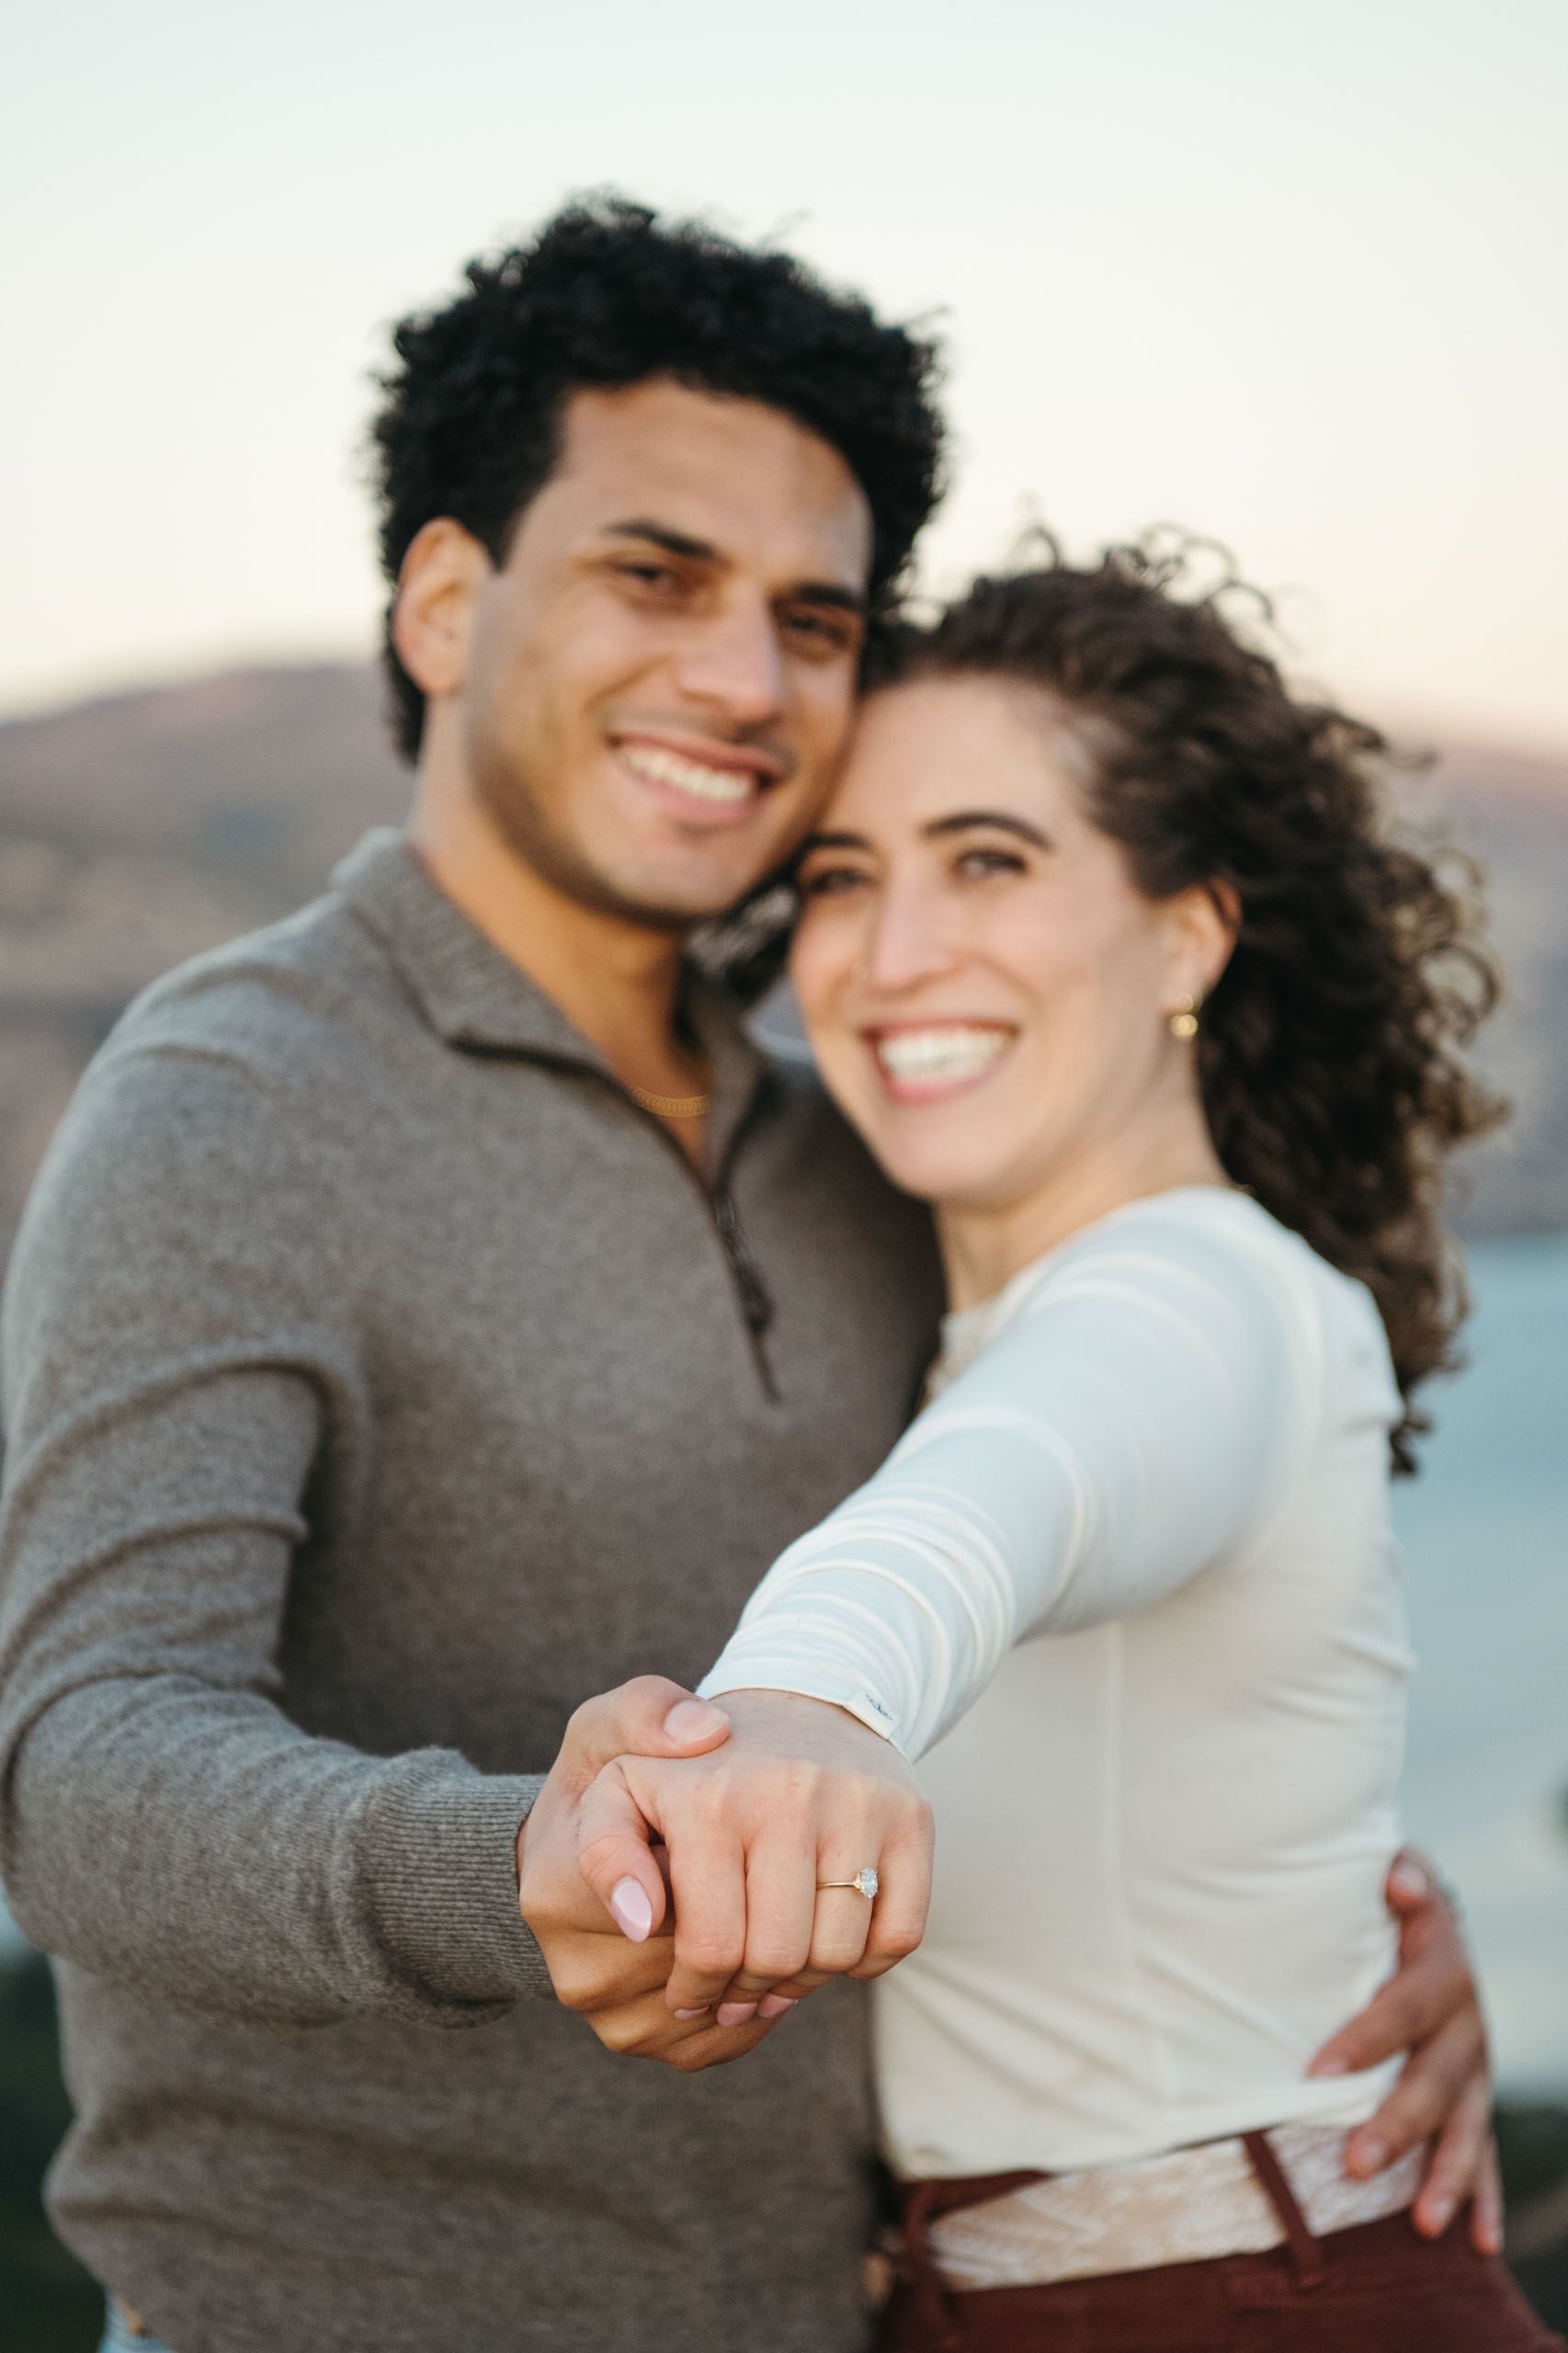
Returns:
<point x="930" y="1056"/>
<point x="661" y="767"/>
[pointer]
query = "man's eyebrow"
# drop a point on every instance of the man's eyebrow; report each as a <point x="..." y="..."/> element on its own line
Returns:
<point x="680" y="543"/>
<point x="828" y="592"/>
<point x="1001" y="818"/>
<point x="660" y="535"/>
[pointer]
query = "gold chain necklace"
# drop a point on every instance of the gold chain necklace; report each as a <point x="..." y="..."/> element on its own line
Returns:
<point x="673" y="1107"/>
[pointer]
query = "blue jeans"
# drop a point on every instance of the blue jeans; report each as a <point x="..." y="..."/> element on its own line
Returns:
<point x="118" y="2339"/>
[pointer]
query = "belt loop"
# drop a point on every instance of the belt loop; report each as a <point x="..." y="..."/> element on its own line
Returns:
<point x="936" y="2304"/>
<point x="1305" y="2252"/>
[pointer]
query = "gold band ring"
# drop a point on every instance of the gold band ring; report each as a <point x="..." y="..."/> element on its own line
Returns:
<point x="864" y="1883"/>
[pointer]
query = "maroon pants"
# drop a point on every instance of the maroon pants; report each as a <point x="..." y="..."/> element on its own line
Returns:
<point x="1375" y="2288"/>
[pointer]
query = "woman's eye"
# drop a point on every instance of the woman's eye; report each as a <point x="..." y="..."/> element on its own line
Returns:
<point x="830" y="882"/>
<point x="975" y="865"/>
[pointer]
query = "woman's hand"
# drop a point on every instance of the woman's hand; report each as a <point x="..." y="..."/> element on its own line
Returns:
<point x="799" y="1793"/>
<point x="1430" y="2010"/>
<point x="613" y="1978"/>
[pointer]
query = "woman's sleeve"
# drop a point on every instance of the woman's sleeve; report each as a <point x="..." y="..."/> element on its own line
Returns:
<point x="1140" y="1416"/>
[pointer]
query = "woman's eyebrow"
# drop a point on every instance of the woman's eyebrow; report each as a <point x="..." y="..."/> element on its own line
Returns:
<point x="961" y="821"/>
<point x="998" y="818"/>
<point x="832" y="841"/>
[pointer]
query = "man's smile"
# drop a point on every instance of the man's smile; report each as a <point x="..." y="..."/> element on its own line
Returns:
<point x="699" y="777"/>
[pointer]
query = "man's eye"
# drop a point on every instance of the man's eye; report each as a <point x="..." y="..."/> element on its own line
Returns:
<point x="822" y="632"/>
<point x="662" y="577"/>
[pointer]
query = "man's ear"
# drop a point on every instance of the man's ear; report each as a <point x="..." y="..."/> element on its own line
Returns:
<point x="437" y="585"/>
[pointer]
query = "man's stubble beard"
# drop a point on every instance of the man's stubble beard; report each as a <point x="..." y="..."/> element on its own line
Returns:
<point x="503" y="791"/>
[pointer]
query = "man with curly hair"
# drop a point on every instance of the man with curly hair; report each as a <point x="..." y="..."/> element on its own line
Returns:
<point x="436" y="1310"/>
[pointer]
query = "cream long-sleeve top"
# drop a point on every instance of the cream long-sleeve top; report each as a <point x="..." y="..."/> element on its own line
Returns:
<point x="1128" y="1586"/>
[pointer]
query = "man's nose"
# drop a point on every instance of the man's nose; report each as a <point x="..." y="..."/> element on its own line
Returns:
<point x="735" y="666"/>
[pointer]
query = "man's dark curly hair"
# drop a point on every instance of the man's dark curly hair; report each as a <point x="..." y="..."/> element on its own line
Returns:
<point x="608" y="295"/>
<point x="1329" y="1053"/>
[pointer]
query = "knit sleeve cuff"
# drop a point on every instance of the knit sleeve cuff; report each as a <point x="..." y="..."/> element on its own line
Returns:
<point x="440" y="1865"/>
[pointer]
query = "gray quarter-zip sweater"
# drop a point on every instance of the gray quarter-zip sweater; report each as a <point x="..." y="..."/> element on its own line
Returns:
<point x="380" y="1383"/>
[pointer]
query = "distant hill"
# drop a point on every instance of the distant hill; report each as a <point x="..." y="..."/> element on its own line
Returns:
<point x="138" y="829"/>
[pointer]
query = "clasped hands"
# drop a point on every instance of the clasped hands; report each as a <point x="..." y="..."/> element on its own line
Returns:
<point x="670" y="1867"/>
<point x="671" y="1871"/>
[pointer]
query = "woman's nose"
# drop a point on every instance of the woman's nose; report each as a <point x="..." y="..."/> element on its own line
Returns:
<point x="906" y="941"/>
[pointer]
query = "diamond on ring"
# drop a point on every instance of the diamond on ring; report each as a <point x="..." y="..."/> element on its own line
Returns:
<point x="865" y="1882"/>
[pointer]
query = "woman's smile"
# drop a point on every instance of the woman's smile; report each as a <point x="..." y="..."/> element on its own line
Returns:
<point x="933" y="1060"/>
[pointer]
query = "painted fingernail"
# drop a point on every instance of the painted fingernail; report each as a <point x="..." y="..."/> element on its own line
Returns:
<point x="702" y="2013"/>
<point x="1438" y="2210"/>
<point x="1410" y="1879"/>
<point x="694" y="1719"/>
<point x="736" y="2013"/>
<point x="632" y="1912"/>
<point x="1368" y="2157"/>
<point x="1330" y="2063"/>
<point x="773" y="2005"/>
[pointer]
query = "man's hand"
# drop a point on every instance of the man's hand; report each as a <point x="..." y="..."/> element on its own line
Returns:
<point x="1430" y="2010"/>
<point x="800" y="1793"/>
<point x="606" y="1963"/>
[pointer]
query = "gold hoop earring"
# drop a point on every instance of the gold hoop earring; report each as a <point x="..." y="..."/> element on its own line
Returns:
<point x="1183" y="1022"/>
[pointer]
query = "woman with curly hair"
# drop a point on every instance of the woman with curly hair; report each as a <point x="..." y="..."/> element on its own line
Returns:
<point x="1107" y="950"/>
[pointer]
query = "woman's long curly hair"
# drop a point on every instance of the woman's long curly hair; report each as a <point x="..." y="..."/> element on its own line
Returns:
<point x="1330" y="1051"/>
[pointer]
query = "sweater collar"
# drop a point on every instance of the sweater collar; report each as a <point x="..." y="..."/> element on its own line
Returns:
<point x="474" y="997"/>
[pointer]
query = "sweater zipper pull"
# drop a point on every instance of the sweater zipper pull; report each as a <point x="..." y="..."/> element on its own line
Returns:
<point x="756" y="1305"/>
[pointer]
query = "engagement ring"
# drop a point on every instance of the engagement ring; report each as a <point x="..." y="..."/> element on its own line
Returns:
<point x="864" y="1883"/>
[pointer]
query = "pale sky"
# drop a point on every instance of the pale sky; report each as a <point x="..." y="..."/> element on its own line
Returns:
<point x="1290" y="274"/>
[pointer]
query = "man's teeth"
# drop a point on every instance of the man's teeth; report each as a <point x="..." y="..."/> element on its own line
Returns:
<point x="687" y="776"/>
<point x="948" y="1052"/>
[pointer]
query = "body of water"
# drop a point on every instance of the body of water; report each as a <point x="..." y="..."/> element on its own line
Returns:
<point x="1485" y="1529"/>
